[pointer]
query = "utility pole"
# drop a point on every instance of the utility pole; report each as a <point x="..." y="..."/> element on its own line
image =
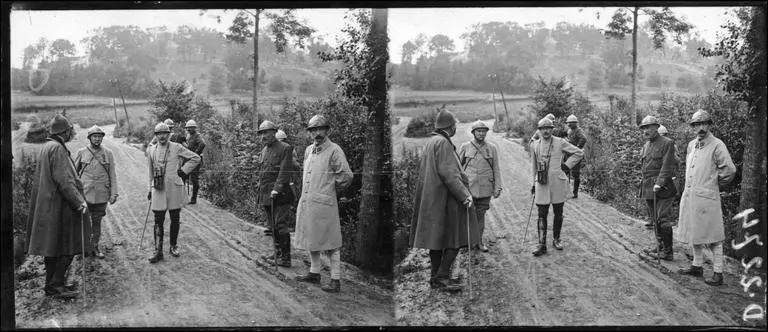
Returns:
<point x="116" y="82"/>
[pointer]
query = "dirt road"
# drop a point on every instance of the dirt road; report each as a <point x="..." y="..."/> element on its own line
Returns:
<point x="598" y="279"/>
<point x="219" y="280"/>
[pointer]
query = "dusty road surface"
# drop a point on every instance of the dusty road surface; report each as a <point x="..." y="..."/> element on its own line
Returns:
<point x="598" y="279"/>
<point x="219" y="280"/>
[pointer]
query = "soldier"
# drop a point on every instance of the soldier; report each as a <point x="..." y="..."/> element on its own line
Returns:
<point x="577" y="138"/>
<point x="443" y="206"/>
<point x="55" y="227"/>
<point x="550" y="181"/>
<point x="657" y="187"/>
<point x="326" y="173"/>
<point x="174" y="137"/>
<point x="196" y="144"/>
<point x="480" y="161"/>
<point x="166" y="191"/>
<point x="275" y="193"/>
<point x="708" y="167"/>
<point x="537" y="134"/>
<point x="96" y="168"/>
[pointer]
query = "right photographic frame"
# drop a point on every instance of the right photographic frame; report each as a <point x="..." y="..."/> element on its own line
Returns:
<point x="579" y="166"/>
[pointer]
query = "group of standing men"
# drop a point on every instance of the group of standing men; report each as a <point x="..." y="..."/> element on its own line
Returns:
<point x="454" y="190"/>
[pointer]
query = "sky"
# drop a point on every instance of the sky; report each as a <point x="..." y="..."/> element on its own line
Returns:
<point x="403" y="24"/>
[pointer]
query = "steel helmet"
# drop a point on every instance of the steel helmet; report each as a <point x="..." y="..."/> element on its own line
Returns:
<point x="168" y="122"/>
<point x="280" y="135"/>
<point x="266" y="125"/>
<point x="662" y="130"/>
<point x="546" y="123"/>
<point x="59" y="124"/>
<point x="162" y="128"/>
<point x="478" y="125"/>
<point x="444" y="119"/>
<point x="550" y="116"/>
<point x="572" y="118"/>
<point x="317" y="121"/>
<point x="700" y="116"/>
<point x="191" y="124"/>
<point x="649" y="120"/>
<point x="95" y="130"/>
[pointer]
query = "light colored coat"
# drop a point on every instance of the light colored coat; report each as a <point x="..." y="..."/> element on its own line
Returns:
<point x="54" y="226"/>
<point x="439" y="218"/>
<point x="173" y="196"/>
<point x="557" y="182"/>
<point x="480" y="161"/>
<point x="706" y="168"/>
<point x="326" y="172"/>
<point x="97" y="171"/>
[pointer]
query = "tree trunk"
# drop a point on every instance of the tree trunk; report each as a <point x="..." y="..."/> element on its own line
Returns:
<point x="634" y="64"/>
<point x="753" y="172"/>
<point x="256" y="117"/>
<point x="370" y="249"/>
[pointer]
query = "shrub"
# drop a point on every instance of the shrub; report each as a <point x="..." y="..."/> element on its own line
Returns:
<point x="276" y="84"/>
<point x="217" y="83"/>
<point x="421" y="125"/>
<point x="404" y="181"/>
<point x="653" y="80"/>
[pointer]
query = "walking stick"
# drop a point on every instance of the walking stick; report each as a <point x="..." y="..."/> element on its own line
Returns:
<point x="469" y="252"/>
<point x="82" y="244"/>
<point x="274" y="228"/>
<point x="141" y="241"/>
<point x="655" y="230"/>
<point x="529" y="218"/>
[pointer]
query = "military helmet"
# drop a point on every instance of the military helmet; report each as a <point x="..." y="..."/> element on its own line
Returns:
<point x="59" y="124"/>
<point x="318" y="121"/>
<point x="266" y="125"/>
<point x="550" y="116"/>
<point x="444" y="119"/>
<point x="168" y="122"/>
<point x="546" y="123"/>
<point x="191" y="124"/>
<point x="280" y="135"/>
<point x="700" y="116"/>
<point x="572" y="118"/>
<point x="663" y="130"/>
<point x="478" y="125"/>
<point x="649" y="120"/>
<point x="162" y="128"/>
<point x="95" y="130"/>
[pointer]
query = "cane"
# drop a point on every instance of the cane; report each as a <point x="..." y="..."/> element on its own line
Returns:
<point x="146" y="219"/>
<point x="529" y="218"/>
<point x="82" y="244"/>
<point x="274" y="228"/>
<point x="655" y="230"/>
<point x="469" y="252"/>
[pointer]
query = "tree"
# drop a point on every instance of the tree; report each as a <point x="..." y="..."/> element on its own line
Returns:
<point x="440" y="44"/>
<point x="661" y="23"/>
<point x="284" y="25"/>
<point x="408" y="51"/>
<point x="743" y="75"/>
<point x="61" y="48"/>
<point x="217" y="80"/>
<point x="35" y="52"/>
<point x="172" y="100"/>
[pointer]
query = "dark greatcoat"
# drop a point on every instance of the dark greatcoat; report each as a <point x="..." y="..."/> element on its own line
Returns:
<point x="277" y="163"/>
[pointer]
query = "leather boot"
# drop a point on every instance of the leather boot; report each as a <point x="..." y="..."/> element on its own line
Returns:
<point x="716" y="280"/>
<point x="435" y="256"/>
<point x="333" y="287"/>
<point x="696" y="271"/>
<point x="158" y="234"/>
<point x="576" y="189"/>
<point x="312" y="278"/>
<point x="175" y="225"/>
<point x="194" y="194"/>
<point x="542" y="231"/>
<point x="285" y="250"/>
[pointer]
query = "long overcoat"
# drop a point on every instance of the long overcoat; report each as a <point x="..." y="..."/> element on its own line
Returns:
<point x="326" y="172"/>
<point x="708" y="166"/>
<point x="170" y="158"/>
<point x="54" y="226"/>
<point x="552" y="152"/>
<point x="97" y="171"/>
<point x="276" y="165"/>
<point x="439" y="217"/>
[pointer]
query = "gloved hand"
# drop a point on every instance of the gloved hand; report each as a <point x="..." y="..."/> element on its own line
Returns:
<point x="273" y="194"/>
<point x="83" y="208"/>
<point x="182" y="175"/>
<point x="149" y="195"/>
<point x="113" y="199"/>
<point x="497" y="193"/>
<point x="533" y="189"/>
<point x="656" y="188"/>
<point x="467" y="202"/>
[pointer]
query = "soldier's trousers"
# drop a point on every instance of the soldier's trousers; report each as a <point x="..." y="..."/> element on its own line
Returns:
<point x="716" y="249"/>
<point x="665" y="219"/>
<point x="575" y="174"/>
<point x="481" y="206"/>
<point x="334" y="256"/>
<point x="56" y="270"/>
<point x="97" y="212"/>
<point x="282" y="217"/>
<point x="557" y="224"/>
<point x="175" y="224"/>
<point x="441" y="261"/>
<point x="194" y="177"/>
